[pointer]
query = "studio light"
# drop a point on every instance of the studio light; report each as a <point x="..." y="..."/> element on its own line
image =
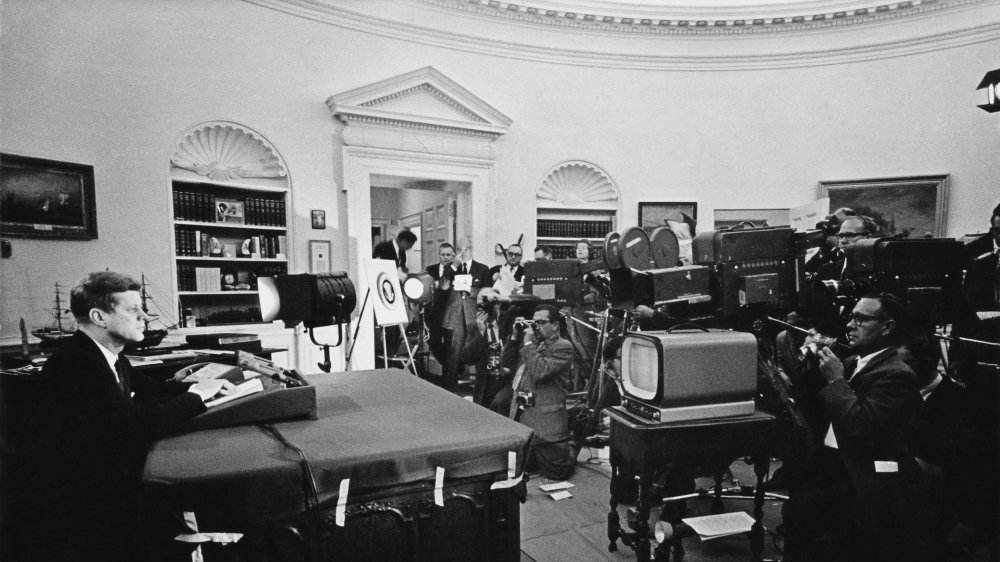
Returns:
<point x="990" y="82"/>
<point x="313" y="300"/>
<point x="419" y="287"/>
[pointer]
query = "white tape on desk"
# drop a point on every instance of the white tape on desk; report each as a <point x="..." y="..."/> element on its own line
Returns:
<point x="439" y="487"/>
<point x="511" y="464"/>
<point x="342" y="502"/>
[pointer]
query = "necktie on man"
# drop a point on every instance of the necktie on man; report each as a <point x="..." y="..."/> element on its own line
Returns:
<point x="122" y="380"/>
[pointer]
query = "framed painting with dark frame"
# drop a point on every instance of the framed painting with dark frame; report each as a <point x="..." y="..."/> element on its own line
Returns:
<point x="916" y="206"/>
<point x="46" y="198"/>
<point x="652" y="215"/>
<point x="756" y="217"/>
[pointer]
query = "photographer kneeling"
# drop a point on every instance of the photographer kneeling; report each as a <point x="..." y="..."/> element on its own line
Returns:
<point x="539" y="392"/>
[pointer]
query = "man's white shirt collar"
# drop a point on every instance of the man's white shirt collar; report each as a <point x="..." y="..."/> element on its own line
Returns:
<point x="110" y="356"/>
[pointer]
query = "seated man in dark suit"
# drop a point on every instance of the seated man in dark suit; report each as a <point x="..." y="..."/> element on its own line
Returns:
<point x="77" y="476"/>
<point x="862" y="495"/>
<point x="510" y="270"/>
<point x="823" y="309"/>
<point x="950" y="448"/>
<point x="395" y="250"/>
<point x="484" y="347"/>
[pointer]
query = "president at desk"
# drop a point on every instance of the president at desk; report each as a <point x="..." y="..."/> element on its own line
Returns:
<point x="74" y="451"/>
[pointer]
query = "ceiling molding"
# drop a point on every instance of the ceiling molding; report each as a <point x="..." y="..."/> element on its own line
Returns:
<point x="649" y="47"/>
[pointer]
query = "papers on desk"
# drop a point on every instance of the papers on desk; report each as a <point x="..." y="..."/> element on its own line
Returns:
<point x="722" y="525"/>
<point x="557" y="491"/>
<point x="252" y="386"/>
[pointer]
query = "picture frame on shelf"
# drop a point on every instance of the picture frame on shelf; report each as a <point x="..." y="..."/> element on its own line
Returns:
<point x="318" y="219"/>
<point x="42" y="198"/>
<point x="654" y="214"/>
<point x="319" y="256"/>
<point x="229" y="211"/>
<point x="915" y="205"/>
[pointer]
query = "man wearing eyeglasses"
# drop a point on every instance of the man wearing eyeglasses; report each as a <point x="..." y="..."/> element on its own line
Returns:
<point x="86" y="438"/>
<point x="824" y="311"/>
<point x="511" y="272"/>
<point x="863" y="494"/>
<point x="539" y="392"/>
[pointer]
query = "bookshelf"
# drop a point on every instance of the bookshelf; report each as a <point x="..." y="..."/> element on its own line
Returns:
<point x="561" y="229"/>
<point x="226" y="235"/>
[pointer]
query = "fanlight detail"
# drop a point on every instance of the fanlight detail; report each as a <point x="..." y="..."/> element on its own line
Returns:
<point x="576" y="183"/>
<point x="226" y="152"/>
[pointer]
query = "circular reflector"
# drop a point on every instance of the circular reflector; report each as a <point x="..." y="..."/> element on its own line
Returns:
<point x="612" y="252"/>
<point x="419" y="287"/>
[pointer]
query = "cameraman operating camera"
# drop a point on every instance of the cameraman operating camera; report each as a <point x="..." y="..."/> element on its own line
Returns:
<point x="539" y="395"/>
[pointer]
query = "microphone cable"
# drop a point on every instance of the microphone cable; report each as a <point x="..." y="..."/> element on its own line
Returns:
<point x="309" y="491"/>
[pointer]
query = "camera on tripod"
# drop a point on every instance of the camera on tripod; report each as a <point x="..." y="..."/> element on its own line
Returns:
<point x="525" y="398"/>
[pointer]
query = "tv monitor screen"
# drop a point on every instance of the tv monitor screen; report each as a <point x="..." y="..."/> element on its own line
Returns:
<point x="641" y="367"/>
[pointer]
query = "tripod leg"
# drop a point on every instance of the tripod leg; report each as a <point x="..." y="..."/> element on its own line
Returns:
<point x="409" y="350"/>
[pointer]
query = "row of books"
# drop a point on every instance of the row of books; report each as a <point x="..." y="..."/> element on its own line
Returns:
<point x="207" y="207"/>
<point x="572" y="229"/>
<point x="569" y="252"/>
<point x="194" y="242"/>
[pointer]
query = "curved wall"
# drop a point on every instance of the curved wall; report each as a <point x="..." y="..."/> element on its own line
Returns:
<point x="720" y="119"/>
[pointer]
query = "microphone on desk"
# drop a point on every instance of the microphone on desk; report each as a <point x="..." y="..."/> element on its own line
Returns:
<point x="250" y="362"/>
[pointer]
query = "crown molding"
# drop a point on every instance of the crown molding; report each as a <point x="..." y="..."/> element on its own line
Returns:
<point x="932" y="26"/>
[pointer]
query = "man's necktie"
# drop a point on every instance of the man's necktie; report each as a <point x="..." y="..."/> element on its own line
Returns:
<point x="122" y="381"/>
<point x="462" y="269"/>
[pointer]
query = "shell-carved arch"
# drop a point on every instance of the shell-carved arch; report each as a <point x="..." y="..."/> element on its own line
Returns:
<point x="576" y="182"/>
<point x="226" y="151"/>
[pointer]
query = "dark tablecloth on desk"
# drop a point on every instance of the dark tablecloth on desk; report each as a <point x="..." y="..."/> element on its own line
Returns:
<point x="379" y="428"/>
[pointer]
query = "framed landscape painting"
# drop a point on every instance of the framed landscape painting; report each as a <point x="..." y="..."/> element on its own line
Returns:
<point x="915" y="206"/>
<point x="46" y="198"/>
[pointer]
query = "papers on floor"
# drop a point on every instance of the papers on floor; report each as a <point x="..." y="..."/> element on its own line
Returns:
<point x="252" y="386"/>
<point x="555" y="486"/>
<point x="722" y="525"/>
<point x="557" y="490"/>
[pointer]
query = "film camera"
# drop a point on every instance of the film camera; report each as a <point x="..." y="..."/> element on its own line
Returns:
<point x="924" y="273"/>
<point x="525" y="398"/>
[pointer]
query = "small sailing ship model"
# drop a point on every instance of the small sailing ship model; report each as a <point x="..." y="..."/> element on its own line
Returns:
<point x="151" y="337"/>
<point x="55" y="333"/>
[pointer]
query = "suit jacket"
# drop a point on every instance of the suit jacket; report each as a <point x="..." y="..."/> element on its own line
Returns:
<point x="386" y="251"/>
<point x="434" y="270"/>
<point x="480" y="275"/>
<point x="546" y="364"/>
<point x="88" y="444"/>
<point x="980" y="283"/>
<point x="871" y="416"/>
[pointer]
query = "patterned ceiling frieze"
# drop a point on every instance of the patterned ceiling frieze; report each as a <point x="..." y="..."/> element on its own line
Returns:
<point x="928" y="34"/>
<point x="431" y="90"/>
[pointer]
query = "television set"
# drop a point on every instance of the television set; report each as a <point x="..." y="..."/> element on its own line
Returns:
<point x="689" y="374"/>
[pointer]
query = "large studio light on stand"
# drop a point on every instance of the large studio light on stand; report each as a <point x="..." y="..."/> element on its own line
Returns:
<point x="989" y="82"/>
<point x="315" y="300"/>
<point x="419" y="288"/>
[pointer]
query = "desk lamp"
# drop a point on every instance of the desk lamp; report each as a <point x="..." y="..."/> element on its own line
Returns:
<point x="315" y="300"/>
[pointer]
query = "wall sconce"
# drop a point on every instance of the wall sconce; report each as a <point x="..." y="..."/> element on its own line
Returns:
<point x="990" y="81"/>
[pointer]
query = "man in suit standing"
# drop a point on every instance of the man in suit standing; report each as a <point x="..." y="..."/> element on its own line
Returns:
<point x="539" y="392"/>
<point x="466" y="265"/>
<point x="512" y="270"/>
<point x="446" y="253"/>
<point x="395" y="250"/>
<point x="79" y="479"/>
<point x="863" y="495"/>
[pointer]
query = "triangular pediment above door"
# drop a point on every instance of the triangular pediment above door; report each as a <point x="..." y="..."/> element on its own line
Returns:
<point x="424" y="99"/>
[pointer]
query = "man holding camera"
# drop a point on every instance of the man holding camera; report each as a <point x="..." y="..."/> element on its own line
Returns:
<point x="863" y="496"/>
<point x="539" y="392"/>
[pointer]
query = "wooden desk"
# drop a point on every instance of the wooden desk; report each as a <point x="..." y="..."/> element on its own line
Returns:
<point x="648" y="447"/>
<point x="385" y="430"/>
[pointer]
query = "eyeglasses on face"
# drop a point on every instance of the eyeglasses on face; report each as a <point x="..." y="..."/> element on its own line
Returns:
<point x="850" y="234"/>
<point x="542" y="322"/>
<point x="514" y="254"/>
<point x="860" y="319"/>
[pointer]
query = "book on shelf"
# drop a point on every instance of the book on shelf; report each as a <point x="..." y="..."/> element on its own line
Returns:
<point x="208" y="279"/>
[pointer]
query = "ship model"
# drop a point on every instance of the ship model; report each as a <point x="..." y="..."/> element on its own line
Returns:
<point x="151" y="337"/>
<point x="52" y="335"/>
